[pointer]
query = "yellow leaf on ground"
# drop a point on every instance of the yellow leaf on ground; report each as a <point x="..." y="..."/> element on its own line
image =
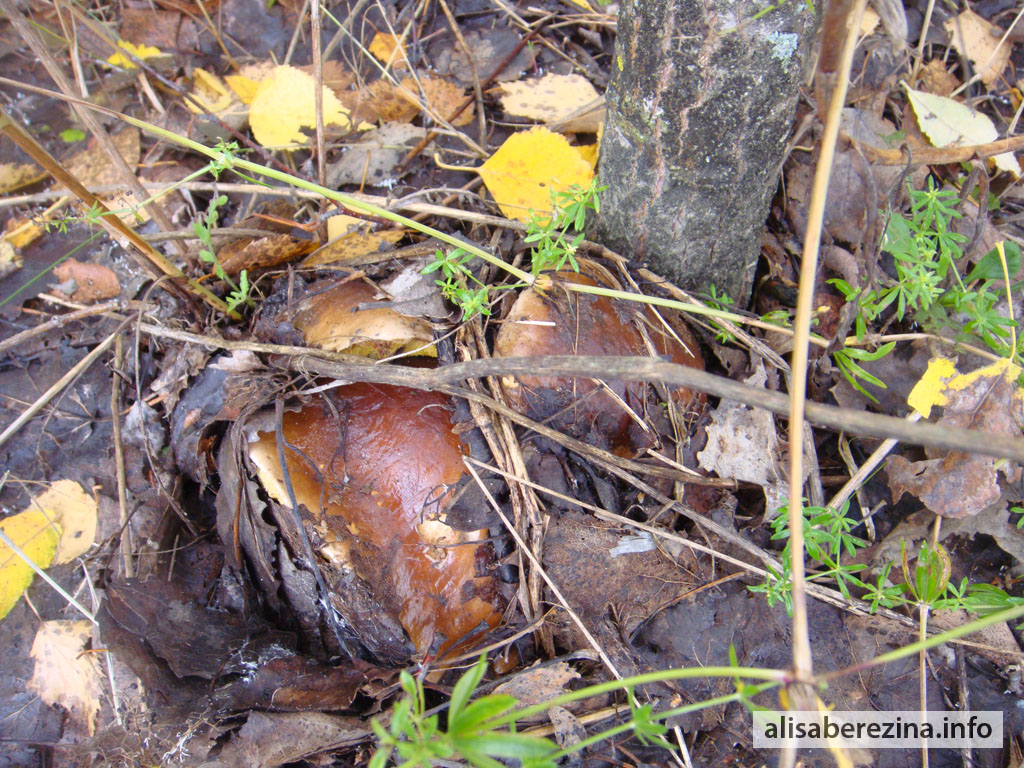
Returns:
<point x="209" y="93"/>
<point x="978" y="40"/>
<point x="21" y="232"/>
<point x="143" y="52"/>
<point x="353" y="246"/>
<point x="927" y="393"/>
<point x="37" y="537"/>
<point x="388" y="49"/>
<point x="549" y="98"/>
<point x="284" y="105"/>
<point x="67" y="503"/>
<point x="17" y="175"/>
<point x="65" y="675"/>
<point x="589" y="153"/>
<point x="949" y="123"/>
<point x="524" y="170"/>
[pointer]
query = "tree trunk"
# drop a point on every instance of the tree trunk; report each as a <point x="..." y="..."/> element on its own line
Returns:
<point x="699" y="109"/>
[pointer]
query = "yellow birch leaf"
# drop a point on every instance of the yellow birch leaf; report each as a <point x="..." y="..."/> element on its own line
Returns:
<point x="66" y="503"/>
<point x="244" y="87"/>
<point x="524" y="170"/>
<point x="589" y="153"/>
<point x="284" y="105"/>
<point x="927" y="393"/>
<point x="209" y="93"/>
<point x="388" y="49"/>
<point x="143" y="52"/>
<point x="37" y="536"/>
<point x="550" y="98"/>
<point x="63" y="674"/>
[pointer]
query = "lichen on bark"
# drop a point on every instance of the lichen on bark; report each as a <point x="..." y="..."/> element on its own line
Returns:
<point x="699" y="109"/>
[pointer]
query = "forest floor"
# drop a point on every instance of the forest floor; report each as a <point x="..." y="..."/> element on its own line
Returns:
<point x="276" y="451"/>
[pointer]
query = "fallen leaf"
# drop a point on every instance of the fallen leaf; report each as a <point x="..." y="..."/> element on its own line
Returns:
<point x="373" y="158"/>
<point x="949" y="123"/>
<point x="284" y="105"/>
<point x="743" y="445"/>
<point x="524" y="170"/>
<point x="537" y="684"/>
<point x="10" y="261"/>
<point x="37" y="536"/>
<point x="93" y="167"/>
<point x="143" y="52"/>
<point x="353" y="246"/>
<point x="343" y="319"/>
<point x="389" y="104"/>
<point x="14" y="176"/>
<point x="209" y="94"/>
<point x="63" y="674"/>
<point x="66" y="503"/>
<point x="441" y="97"/>
<point x="487" y="48"/>
<point x="93" y="282"/>
<point x="388" y="49"/>
<point x="549" y="99"/>
<point x="20" y="231"/>
<point x="935" y="78"/>
<point x="928" y="392"/>
<point x="978" y="40"/>
<point x="961" y="484"/>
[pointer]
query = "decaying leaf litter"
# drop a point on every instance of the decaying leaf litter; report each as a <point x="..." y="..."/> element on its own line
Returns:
<point x="254" y="611"/>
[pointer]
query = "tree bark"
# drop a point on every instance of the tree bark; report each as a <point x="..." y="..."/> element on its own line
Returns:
<point x="699" y="109"/>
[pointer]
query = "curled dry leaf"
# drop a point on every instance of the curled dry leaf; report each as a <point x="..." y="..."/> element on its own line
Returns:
<point x="561" y="322"/>
<point x="343" y="319"/>
<point x="371" y="467"/>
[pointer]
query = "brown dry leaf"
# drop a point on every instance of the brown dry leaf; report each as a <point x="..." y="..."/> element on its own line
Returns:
<point x="488" y="48"/>
<point x="935" y="78"/>
<point x="343" y="319"/>
<point x="537" y="684"/>
<point x="93" y="167"/>
<point x="442" y="97"/>
<point x="389" y="50"/>
<point x="524" y="170"/>
<point x="64" y="675"/>
<point x="354" y="245"/>
<point x="977" y="39"/>
<point x="262" y="252"/>
<point x="372" y="159"/>
<point x="94" y="282"/>
<point x="549" y="99"/>
<point x="389" y="104"/>
<point x="75" y="511"/>
<point x="14" y="176"/>
<point x="961" y="484"/>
